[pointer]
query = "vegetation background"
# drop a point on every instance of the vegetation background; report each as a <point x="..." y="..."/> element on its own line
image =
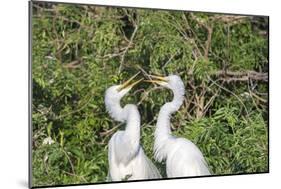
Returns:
<point x="78" y="51"/>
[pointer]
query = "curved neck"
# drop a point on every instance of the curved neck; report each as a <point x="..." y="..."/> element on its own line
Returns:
<point x="128" y="114"/>
<point x="133" y="122"/>
<point x="163" y="129"/>
<point x="114" y="109"/>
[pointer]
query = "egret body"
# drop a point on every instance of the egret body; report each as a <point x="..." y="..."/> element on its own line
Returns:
<point x="127" y="160"/>
<point x="183" y="158"/>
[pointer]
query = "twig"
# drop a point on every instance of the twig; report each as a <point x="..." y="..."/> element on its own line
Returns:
<point x="138" y="91"/>
<point x="154" y="119"/>
<point x="209" y="103"/>
<point x="143" y="71"/>
<point x="229" y="76"/>
<point x="146" y="74"/>
<point x="259" y="98"/>
<point x="196" y="37"/>
<point x="58" y="44"/>
<point x="208" y="42"/>
<point x="42" y="8"/>
<point x="74" y="64"/>
<point x="108" y="132"/>
<point x="71" y="164"/>
<point x="75" y="111"/>
<point x="230" y="93"/>
<point x="109" y="56"/>
<point x="200" y="22"/>
<point x="146" y="94"/>
<point x="82" y="177"/>
<point x="250" y="89"/>
<point x="170" y="59"/>
<point x="127" y="48"/>
<point x="232" y="20"/>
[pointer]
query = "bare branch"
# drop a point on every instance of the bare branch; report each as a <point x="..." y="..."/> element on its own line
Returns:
<point x="127" y="48"/>
<point x="208" y="42"/>
<point x="110" y="131"/>
<point x="230" y="76"/>
<point x="70" y="162"/>
<point x="227" y="90"/>
<point x="170" y="59"/>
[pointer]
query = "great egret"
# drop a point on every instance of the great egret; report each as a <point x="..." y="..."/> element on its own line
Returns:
<point x="127" y="160"/>
<point x="183" y="158"/>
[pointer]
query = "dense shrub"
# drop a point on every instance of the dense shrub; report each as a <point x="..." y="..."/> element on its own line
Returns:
<point x="78" y="51"/>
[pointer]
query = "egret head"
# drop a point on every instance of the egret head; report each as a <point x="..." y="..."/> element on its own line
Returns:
<point x="172" y="82"/>
<point x="113" y="96"/>
<point x="116" y="92"/>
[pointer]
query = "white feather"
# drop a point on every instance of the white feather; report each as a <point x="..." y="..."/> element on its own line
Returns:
<point x="183" y="158"/>
<point x="127" y="160"/>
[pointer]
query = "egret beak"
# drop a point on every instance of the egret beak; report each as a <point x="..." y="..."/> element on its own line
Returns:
<point x="157" y="79"/>
<point x="135" y="83"/>
<point x="127" y="83"/>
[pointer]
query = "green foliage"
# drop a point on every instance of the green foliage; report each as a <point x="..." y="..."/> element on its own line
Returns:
<point x="79" y="51"/>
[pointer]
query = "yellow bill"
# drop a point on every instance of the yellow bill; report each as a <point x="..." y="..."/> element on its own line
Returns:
<point x="158" y="77"/>
<point x="153" y="81"/>
<point x="135" y="83"/>
<point x="127" y="83"/>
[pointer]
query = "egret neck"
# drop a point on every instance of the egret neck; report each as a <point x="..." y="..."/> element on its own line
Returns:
<point x="163" y="129"/>
<point x="133" y="122"/>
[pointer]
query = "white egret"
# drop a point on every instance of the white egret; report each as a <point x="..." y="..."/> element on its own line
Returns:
<point x="127" y="160"/>
<point x="183" y="158"/>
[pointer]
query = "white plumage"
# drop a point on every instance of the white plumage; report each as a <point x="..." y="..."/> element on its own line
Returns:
<point x="127" y="160"/>
<point x="183" y="158"/>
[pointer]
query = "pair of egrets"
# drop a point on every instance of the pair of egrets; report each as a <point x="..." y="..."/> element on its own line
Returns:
<point x="127" y="160"/>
